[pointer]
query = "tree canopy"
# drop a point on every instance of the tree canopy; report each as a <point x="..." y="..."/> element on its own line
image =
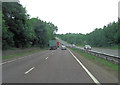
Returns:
<point x="100" y="37"/>
<point x="18" y="30"/>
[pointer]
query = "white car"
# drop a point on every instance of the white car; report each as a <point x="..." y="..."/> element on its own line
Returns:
<point x="87" y="47"/>
<point x="63" y="47"/>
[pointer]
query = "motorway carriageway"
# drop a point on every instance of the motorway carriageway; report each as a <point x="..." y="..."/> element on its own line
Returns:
<point x="54" y="66"/>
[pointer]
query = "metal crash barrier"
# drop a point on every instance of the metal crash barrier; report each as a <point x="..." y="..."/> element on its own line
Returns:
<point x="112" y="58"/>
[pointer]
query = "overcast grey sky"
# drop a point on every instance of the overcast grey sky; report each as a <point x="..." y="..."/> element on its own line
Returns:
<point x="74" y="16"/>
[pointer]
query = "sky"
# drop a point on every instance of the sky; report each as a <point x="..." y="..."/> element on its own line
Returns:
<point x="74" y="16"/>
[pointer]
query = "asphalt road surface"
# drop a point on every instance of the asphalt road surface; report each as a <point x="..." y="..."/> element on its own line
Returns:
<point x="53" y="66"/>
<point x="105" y="50"/>
<point x="102" y="50"/>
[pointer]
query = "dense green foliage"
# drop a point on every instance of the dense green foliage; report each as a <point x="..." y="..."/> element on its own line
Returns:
<point x="103" y="37"/>
<point x="18" y="30"/>
<point x="73" y="38"/>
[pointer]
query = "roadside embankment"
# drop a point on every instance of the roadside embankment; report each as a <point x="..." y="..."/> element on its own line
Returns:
<point x="108" y="66"/>
<point x="17" y="52"/>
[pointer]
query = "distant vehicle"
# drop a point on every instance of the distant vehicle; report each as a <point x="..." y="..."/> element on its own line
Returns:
<point x="58" y="44"/>
<point x="63" y="47"/>
<point x="87" y="47"/>
<point x="69" y="45"/>
<point x="73" y="45"/>
<point x="53" y="44"/>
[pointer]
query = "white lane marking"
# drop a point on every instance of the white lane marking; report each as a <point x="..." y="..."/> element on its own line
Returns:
<point x="3" y="63"/>
<point x="47" y="58"/>
<point x="9" y="61"/>
<point x="88" y="72"/>
<point x="29" y="70"/>
<point x="21" y="58"/>
<point x="15" y="59"/>
<point x="18" y="59"/>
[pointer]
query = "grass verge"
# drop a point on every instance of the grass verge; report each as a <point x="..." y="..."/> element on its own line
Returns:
<point x="22" y="53"/>
<point x="80" y="45"/>
<point x="116" y="47"/>
<point x="103" y="62"/>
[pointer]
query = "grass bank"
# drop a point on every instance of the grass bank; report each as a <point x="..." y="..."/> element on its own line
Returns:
<point x="80" y="45"/>
<point x="97" y="60"/>
<point x="116" y="47"/>
<point x="20" y="52"/>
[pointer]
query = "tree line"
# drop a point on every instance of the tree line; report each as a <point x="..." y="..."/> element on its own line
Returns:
<point x="21" y="31"/>
<point x="107" y="36"/>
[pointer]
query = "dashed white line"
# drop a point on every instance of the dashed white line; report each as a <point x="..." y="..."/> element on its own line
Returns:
<point x="29" y="70"/>
<point x="88" y="72"/>
<point x="47" y="58"/>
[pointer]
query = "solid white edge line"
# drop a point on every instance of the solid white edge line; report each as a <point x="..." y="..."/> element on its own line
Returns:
<point x="17" y="59"/>
<point x="29" y="70"/>
<point x="9" y="61"/>
<point x="88" y="72"/>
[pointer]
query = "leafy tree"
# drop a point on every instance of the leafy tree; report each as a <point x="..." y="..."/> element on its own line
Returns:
<point x="15" y="17"/>
<point x="21" y="31"/>
<point x="100" y="37"/>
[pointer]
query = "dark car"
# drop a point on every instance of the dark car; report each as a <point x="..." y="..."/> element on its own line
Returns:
<point x="87" y="47"/>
